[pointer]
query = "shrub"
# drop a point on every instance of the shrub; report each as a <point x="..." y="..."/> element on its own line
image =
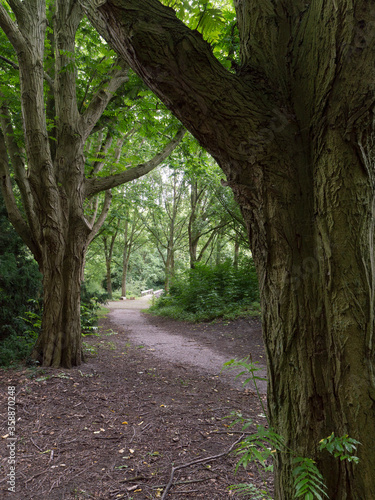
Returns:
<point x="205" y="292"/>
<point x="90" y="303"/>
<point x="20" y="294"/>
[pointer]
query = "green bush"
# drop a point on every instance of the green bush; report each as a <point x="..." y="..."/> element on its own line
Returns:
<point x="205" y="293"/>
<point x="90" y="304"/>
<point x="20" y="294"/>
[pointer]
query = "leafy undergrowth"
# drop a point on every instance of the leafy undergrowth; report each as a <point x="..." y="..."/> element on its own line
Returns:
<point x="205" y="293"/>
<point x="231" y="312"/>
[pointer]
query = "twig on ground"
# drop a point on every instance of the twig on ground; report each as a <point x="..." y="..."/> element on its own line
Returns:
<point x="134" y="432"/>
<point x="232" y="432"/>
<point x="36" y="446"/>
<point x="187" y="492"/>
<point x="35" y="476"/>
<point x="180" y="482"/>
<point x="194" y="462"/>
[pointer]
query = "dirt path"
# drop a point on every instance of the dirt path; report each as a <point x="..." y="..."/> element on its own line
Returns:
<point x="148" y="396"/>
<point x="177" y="348"/>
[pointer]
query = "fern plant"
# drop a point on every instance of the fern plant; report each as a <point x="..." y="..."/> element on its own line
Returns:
<point x="308" y="481"/>
<point x="340" y="447"/>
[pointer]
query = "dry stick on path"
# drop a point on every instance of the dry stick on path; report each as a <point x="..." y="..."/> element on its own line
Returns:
<point x="194" y="462"/>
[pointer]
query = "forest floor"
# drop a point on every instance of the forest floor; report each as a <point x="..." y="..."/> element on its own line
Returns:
<point x="149" y="398"/>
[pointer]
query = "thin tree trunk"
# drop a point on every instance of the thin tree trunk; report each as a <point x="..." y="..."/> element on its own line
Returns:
<point x="108" y="252"/>
<point x="236" y="253"/>
<point x="125" y="260"/>
<point x="192" y="230"/>
<point x="108" y="278"/>
<point x="124" y="277"/>
<point x="168" y="269"/>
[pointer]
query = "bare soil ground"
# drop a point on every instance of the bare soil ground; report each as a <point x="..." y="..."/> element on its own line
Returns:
<point x="115" y="426"/>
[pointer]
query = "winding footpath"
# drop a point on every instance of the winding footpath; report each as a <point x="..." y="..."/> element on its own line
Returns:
<point x="173" y="348"/>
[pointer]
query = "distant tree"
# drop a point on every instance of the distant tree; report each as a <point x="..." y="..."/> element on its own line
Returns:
<point x="167" y="220"/>
<point x="133" y="232"/>
<point x="109" y="243"/>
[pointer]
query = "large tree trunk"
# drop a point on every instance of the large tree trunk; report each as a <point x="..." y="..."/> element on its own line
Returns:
<point x="293" y="131"/>
<point x="64" y="246"/>
<point x="59" y="343"/>
<point x="315" y="261"/>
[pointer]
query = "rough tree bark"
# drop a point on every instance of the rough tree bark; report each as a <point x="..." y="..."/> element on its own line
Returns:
<point x="293" y="131"/>
<point x="50" y="173"/>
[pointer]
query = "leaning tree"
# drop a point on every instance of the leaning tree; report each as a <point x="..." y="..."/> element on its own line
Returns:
<point x="64" y="85"/>
<point x="293" y="130"/>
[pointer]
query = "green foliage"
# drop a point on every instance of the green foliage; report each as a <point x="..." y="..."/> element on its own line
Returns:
<point x="251" y="491"/>
<point x="340" y="447"/>
<point x="206" y="292"/>
<point x="90" y="304"/>
<point x="89" y="351"/>
<point x="216" y="21"/>
<point x="308" y="482"/>
<point x="249" y="368"/>
<point x="20" y="294"/>
<point x="15" y="348"/>
<point x="259" y="447"/>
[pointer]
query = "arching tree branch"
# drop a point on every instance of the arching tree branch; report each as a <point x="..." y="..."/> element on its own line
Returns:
<point x="97" y="185"/>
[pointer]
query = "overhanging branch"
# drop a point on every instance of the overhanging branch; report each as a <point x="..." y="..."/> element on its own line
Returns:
<point x="11" y="29"/>
<point x="97" y="185"/>
<point x="180" y="68"/>
<point x="15" y="155"/>
<point x="102" y="217"/>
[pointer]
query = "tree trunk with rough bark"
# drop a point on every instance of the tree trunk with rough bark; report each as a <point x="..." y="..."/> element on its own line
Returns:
<point x="293" y="130"/>
<point x="59" y="344"/>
